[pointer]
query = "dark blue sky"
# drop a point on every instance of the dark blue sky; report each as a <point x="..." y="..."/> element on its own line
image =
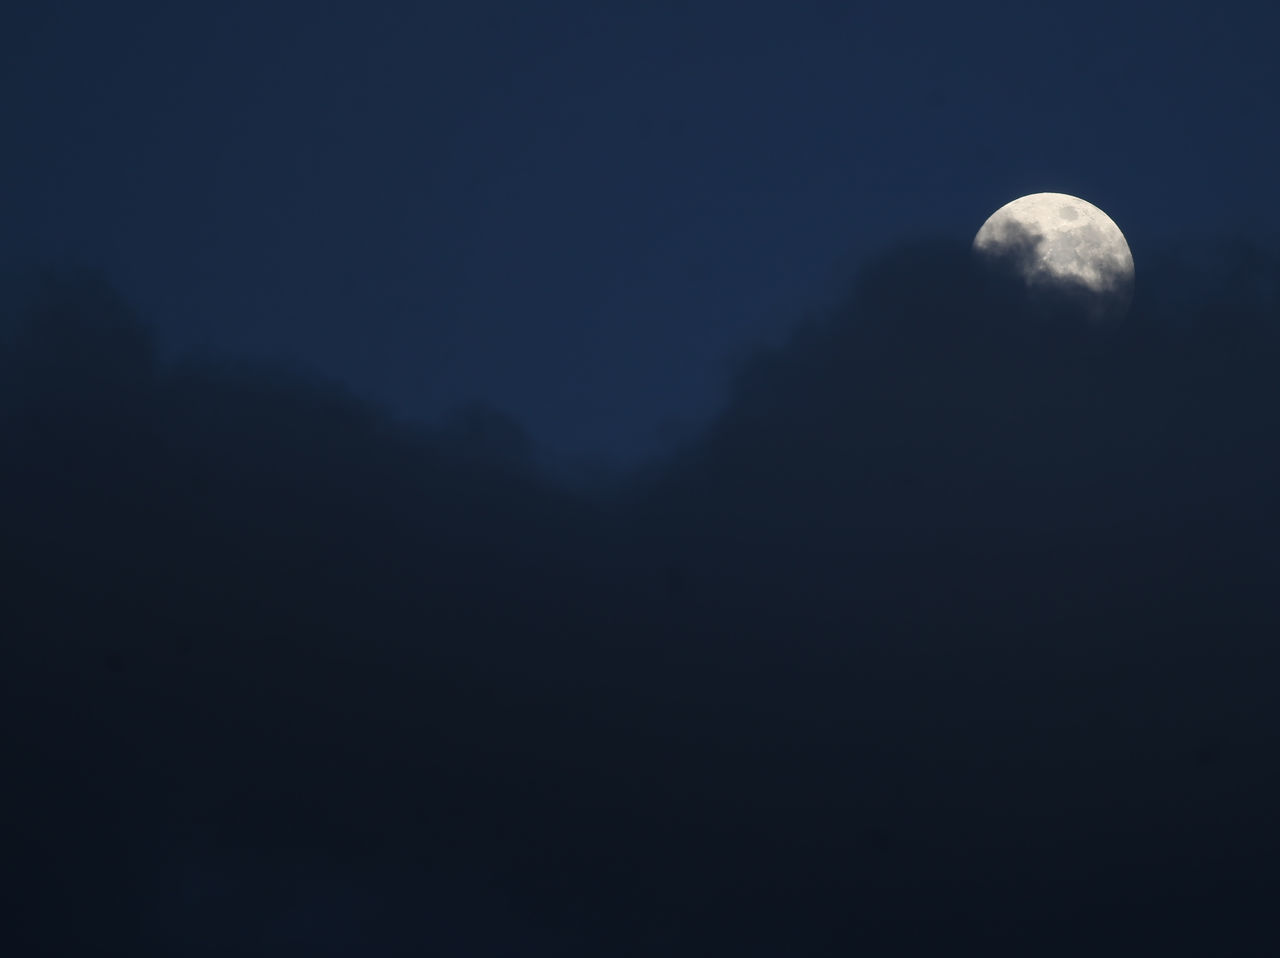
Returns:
<point x="584" y="212"/>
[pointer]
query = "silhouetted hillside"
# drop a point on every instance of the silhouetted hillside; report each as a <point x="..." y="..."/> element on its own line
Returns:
<point x="955" y="632"/>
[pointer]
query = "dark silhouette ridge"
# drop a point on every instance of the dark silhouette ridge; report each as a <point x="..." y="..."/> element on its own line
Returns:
<point x="953" y="631"/>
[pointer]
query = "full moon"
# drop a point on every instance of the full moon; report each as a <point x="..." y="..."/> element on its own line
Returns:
<point x="1065" y="254"/>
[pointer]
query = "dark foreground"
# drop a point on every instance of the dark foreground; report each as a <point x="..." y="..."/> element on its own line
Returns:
<point x="951" y="636"/>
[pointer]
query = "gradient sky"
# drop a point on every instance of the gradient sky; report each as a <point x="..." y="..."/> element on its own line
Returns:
<point x="585" y="212"/>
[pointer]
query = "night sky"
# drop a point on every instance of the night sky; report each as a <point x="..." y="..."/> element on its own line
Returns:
<point x="585" y="213"/>
<point x="550" y="479"/>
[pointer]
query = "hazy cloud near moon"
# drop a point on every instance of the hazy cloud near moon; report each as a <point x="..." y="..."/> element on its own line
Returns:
<point x="935" y="578"/>
<point x="1016" y="260"/>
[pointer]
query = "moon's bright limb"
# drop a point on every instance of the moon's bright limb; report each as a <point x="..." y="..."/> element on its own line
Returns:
<point x="1065" y="250"/>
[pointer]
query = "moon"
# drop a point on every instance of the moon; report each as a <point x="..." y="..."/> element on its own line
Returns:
<point x="1067" y="256"/>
